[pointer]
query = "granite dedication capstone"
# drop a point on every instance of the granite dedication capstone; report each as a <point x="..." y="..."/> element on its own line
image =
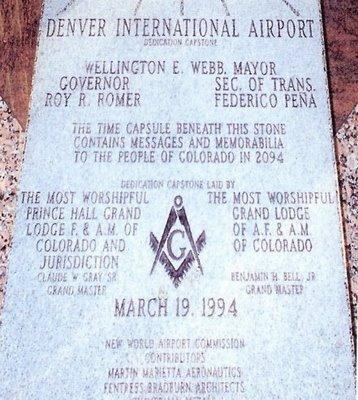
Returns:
<point x="178" y="233"/>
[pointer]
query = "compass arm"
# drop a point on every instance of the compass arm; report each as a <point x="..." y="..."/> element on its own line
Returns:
<point x="170" y="222"/>
<point x="184" y="221"/>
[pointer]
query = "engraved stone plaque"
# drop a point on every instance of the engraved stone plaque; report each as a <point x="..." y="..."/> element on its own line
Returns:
<point x="178" y="227"/>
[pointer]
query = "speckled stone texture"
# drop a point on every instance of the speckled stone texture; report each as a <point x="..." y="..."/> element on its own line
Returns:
<point x="12" y="140"/>
<point x="347" y="155"/>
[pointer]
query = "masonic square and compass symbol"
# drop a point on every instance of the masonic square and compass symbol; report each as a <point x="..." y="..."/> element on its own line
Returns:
<point x="177" y="250"/>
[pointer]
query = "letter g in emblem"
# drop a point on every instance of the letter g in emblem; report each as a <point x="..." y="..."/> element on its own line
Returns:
<point x="170" y="248"/>
<point x="177" y="254"/>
